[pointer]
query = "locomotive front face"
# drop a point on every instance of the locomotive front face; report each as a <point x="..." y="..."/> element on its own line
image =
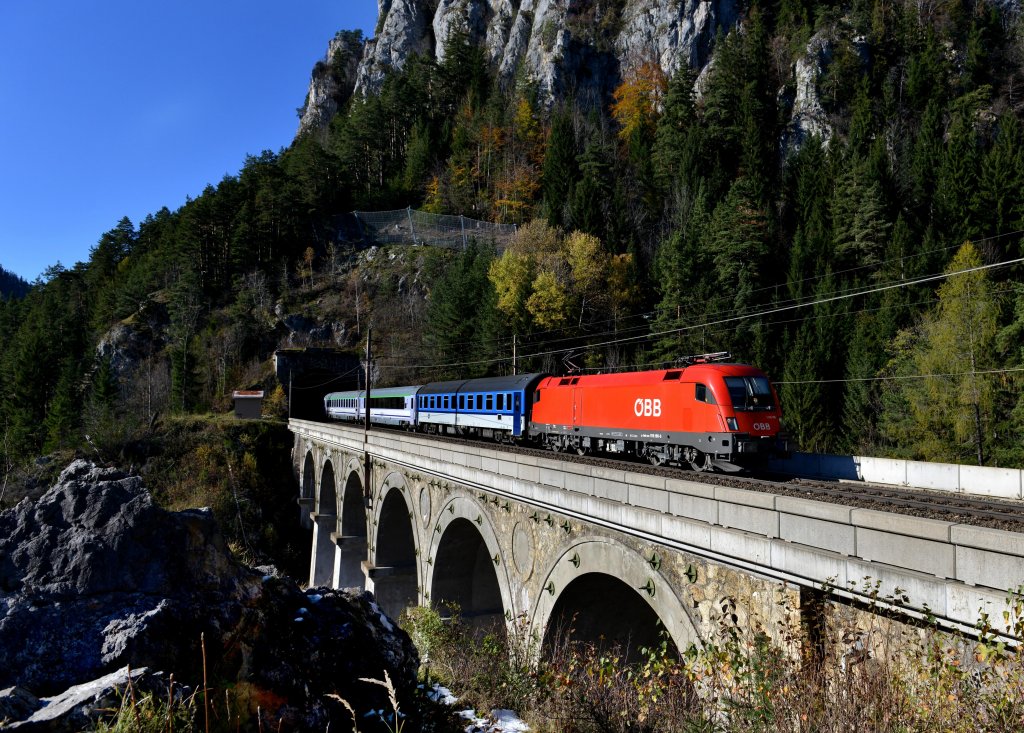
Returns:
<point x="753" y="403"/>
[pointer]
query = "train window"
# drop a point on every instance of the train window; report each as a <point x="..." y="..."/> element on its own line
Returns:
<point x="574" y="380"/>
<point x="703" y="394"/>
<point x="479" y="402"/>
<point x="444" y="404"/>
<point x="563" y="382"/>
<point x="490" y="403"/>
<point x="501" y="402"/>
<point x="674" y="375"/>
<point x="750" y="393"/>
<point x="517" y="407"/>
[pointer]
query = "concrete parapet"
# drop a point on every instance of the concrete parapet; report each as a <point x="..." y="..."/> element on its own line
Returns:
<point x="814" y="509"/>
<point x="693" y="507"/>
<point x="810" y="563"/>
<point x="913" y="553"/>
<point x="654" y="499"/>
<point x="888" y="582"/>
<point x="992" y="569"/>
<point x="741" y="546"/>
<point x="1001" y="482"/>
<point x="745" y="497"/>
<point x="882" y="470"/>
<point x="749" y="518"/>
<point x="818" y="533"/>
<point x="937" y="476"/>
<point x="985" y="538"/>
<point x="904" y="524"/>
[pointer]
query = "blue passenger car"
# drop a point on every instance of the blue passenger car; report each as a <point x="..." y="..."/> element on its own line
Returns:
<point x="491" y="407"/>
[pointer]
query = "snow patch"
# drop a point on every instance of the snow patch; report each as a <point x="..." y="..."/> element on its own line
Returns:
<point x="383" y="619"/>
<point x="499" y="721"/>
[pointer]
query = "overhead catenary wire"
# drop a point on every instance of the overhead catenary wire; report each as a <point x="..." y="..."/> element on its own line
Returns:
<point x="643" y="327"/>
<point x="721" y="321"/>
<point x="896" y="377"/>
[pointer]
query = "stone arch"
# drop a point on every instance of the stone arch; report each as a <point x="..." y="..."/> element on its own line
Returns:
<point x="466" y="564"/>
<point x="352" y="530"/>
<point x="325" y="524"/>
<point x="393" y="573"/>
<point x="611" y="591"/>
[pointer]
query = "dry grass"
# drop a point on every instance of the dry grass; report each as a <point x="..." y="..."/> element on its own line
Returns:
<point x="858" y="672"/>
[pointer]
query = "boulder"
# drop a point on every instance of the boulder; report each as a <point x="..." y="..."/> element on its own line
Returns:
<point x="95" y="577"/>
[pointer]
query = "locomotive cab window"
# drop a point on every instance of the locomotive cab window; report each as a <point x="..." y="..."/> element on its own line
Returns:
<point x="703" y="394"/>
<point x="750" y="393"/>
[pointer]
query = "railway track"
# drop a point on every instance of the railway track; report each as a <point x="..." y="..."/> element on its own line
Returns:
<point x="959" y="508"/>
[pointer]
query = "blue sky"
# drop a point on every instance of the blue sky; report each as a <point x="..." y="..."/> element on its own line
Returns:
<point x="112" y="108"/>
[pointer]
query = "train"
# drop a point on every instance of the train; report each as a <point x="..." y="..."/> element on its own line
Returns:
<point x="707" y="414"/>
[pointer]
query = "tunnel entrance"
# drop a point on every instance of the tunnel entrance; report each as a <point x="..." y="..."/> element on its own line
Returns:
<point x="464" y="576"/>
<point x="348" y="572"/>
<point x="394" y="573"/>
<point x="322" y="564"/>
<point x="604" y="612"/>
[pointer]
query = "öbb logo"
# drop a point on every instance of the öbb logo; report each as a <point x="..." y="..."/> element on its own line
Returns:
<point x="647" y="407"/>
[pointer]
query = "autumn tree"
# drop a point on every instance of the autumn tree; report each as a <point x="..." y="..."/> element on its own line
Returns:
<point x="949" y="392"/>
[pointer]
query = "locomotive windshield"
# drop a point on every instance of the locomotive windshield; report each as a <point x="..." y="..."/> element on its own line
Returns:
<point x="750" y="393"/>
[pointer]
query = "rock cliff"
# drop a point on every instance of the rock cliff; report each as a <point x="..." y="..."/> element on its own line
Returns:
<point x="564" y="46"/>
<point x="94" y="577"/>
<point x="331" y="83"/>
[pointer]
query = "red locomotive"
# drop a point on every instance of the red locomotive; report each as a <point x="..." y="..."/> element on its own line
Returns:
<point x="707" y="414"/>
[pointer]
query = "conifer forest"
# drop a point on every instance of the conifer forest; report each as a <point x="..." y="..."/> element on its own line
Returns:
<point x="874" y="272"/>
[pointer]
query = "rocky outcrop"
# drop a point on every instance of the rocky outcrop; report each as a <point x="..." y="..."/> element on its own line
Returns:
<point x="807" y="117"/>
<point x="331" y="83"/>
<point x="564" y="46"/>
<point x="94" y="576"/>
<point x="129" y="342"/>
<point x="403" y="28"/>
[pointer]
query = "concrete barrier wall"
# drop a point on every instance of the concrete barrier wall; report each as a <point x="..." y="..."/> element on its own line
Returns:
<point x="1006" y="483"/>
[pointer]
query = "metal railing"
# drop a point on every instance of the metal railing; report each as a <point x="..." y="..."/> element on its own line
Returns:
<point x="411" y="226"/>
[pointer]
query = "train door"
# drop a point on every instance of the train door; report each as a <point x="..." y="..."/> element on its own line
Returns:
<point x="517" y="413"/>
<point x="577" y="404"/>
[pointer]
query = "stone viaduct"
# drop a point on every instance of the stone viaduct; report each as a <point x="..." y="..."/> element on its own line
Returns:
<point x="549" y="542"/>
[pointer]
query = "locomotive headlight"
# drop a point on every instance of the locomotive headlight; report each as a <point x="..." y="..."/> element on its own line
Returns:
<point x="731" y="423"/>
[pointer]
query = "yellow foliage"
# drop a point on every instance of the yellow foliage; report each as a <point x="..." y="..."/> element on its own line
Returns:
<point x="276" y="405"/>
<point x="511" y="274"/>
<point x="549" y="302"/>
<point x="638" y="100"/>
<point x="587" y="260"/>
<point x="537" y="239"/>
<point x="514" y="192"/>
<point x="528" y="132"/>
<point x="433" y="203"/>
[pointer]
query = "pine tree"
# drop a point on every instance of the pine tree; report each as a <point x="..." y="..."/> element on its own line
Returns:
<point x="671" y="135"/>
<point x="560" y="167"/>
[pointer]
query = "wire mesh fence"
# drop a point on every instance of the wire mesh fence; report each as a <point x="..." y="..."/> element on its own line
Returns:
<point x="410" y="226"/>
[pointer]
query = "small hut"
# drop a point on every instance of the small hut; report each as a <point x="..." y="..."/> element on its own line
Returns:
<point x="248" y="404"/>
